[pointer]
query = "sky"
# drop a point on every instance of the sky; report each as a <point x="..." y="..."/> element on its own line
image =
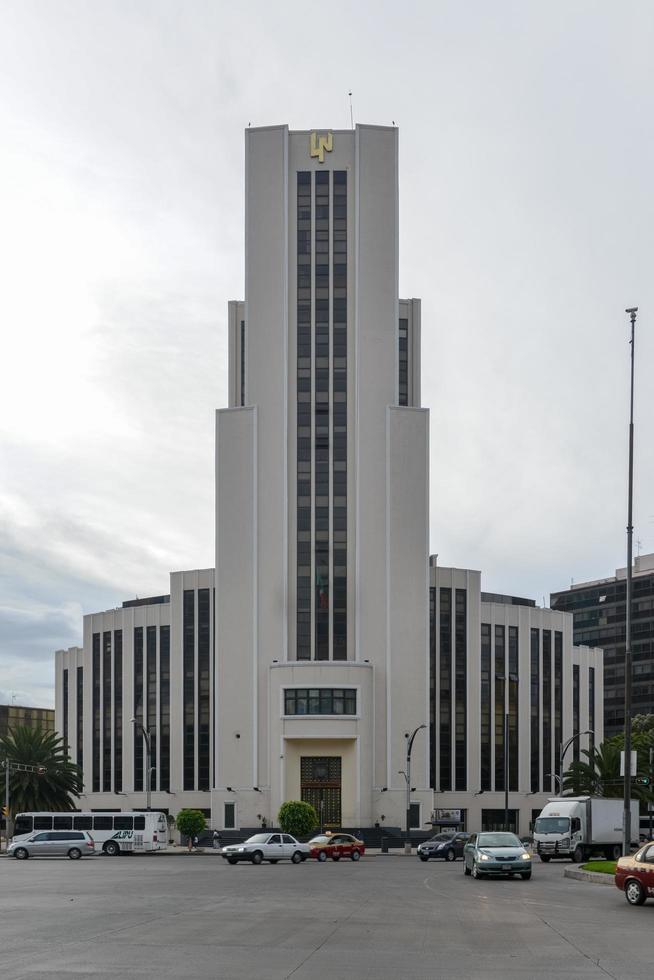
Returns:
<point x="526" y="217"/>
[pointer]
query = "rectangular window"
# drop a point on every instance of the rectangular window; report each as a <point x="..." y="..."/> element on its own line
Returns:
<point x="80" y="717"/>
<point x="461" y="659"/>
<point x="189" y="687"/>
<point x="204" y="678"/>
<point x="229" y="822"/>
<point x="303" y="449"/>
<point x="500" y="683"/>
<point x="242" y="362"/>
<point x="403" y="362"/>
<point x="485" y="732"/>
<point x="138" y="708"/>
<point x="547" y="711"/>
<point x="164" y="710"/>
<point x="123" y="823"/>
<point x="83" y="823"/>
<point x="320" y="701"/>
<point x="558" y="698"/>
<point x="432" y="688"/>
<point x="514" y="744"/>
<point x="534" y="695"/>
<point x="103" y="823"/>
<point x="62" y="823"/>
<point x="106" y="712"/>
<point x="118" y="711"/>
<point x="151" y="684"/>
<point x="445" y="700"/>
<point x="591" y="705"/>
<point x="96" y="683"/>
<point x="65" y="705"/>
<point x="575" y="711"/>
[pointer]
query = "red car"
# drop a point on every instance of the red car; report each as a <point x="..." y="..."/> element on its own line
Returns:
<point x="635" y="875"/>
<point x="336" y="846"/>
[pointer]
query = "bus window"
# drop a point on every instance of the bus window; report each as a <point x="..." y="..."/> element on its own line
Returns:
<point x="63" y="823"/>
<point x="83" y="823"/>
<point x="123" y="823"/>
<point x="139" y="823"/>
<point x="42" y="823"/>
<point x="103" y="823"/>
<point x="23" y="825"/>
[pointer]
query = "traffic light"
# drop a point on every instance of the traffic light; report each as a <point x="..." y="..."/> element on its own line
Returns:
<point x="642" y="780"/>
<point x="5" y="811"/>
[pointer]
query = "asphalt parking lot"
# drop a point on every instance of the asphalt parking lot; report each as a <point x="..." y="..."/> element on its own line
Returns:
<point x="385" y="917"/>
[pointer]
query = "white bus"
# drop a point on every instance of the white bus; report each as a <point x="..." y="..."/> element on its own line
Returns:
<point x="113" y="833"/>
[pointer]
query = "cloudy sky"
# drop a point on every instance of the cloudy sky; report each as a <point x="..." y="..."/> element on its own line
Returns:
<point x="527" y="155"/>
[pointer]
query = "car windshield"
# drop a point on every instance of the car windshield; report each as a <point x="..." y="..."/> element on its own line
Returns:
<point x="552" y="825"/>
<point x="320" y="839"/>
<point x="498" y="840"/>
<point x="442" y="837"/>
<point x="258" y="839"/>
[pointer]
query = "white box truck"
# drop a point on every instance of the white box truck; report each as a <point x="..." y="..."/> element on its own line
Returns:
<point x="578" y="827"/>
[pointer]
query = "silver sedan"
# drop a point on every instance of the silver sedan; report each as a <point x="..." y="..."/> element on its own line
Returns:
<point x="496" y="853"/>
<point x="267" y="847"/>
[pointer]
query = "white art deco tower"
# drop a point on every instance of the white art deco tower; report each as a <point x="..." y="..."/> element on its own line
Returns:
<point x="321" y="607"/>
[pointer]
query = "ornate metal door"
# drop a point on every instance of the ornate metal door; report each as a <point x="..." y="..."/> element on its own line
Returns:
<point x="320" y="779"/>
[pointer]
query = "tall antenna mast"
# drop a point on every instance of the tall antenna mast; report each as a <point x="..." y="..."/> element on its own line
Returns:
<point x="351" y="112"/>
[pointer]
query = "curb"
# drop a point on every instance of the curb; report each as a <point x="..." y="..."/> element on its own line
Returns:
<point x="594" y="877"/>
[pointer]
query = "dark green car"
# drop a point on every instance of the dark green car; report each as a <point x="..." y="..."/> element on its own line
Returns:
<point x="496" y="853"/>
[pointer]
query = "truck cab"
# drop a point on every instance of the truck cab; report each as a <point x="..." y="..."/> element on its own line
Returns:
<point x="560" y="828"/>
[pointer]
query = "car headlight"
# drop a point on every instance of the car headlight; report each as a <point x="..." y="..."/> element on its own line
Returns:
<point x="240" y="848"/>
<point x="526" y="857"/>
<point x="484" y="857"/>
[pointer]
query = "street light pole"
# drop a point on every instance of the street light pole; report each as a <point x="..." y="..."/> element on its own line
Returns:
<point x="564" y="748"/>
<point x="409" y="747"/>
<point x="626" y="817"/>
<point x="148" y="761"/>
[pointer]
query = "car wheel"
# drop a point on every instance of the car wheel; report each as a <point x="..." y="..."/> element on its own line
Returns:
<point x="274" y="860"/>
<point x="232" y="861"/>
<point x="578" y="855"/>
<point x="296" y="858"/>
<point x="616" y="853"/>
<point x="476" y="873"/>
<point x="336" y="857"/>
<point x="111" y="848"/>
<point x="634" y="892"/>
<point x="525" y="875"/>
<point x="21" y="854"/>
<point x="545" y="858"/>
<point x="74" y="854"/>
<point x="450" y="856"/>
<point x="355" y="855"/>
<point x="466" y="869"/>
<point x="423" y="857"/>
<point x="322" y="855"/>
<point x="257" y="857"/>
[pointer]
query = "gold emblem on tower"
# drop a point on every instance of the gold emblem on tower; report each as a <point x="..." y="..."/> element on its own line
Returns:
<point x="319" y="145"/>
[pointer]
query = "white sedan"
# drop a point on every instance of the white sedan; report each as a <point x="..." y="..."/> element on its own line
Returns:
<point x="267" y="847"/>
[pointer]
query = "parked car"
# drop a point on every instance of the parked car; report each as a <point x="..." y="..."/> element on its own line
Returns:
<point x="54" y="843"/>
<point x="336" y="846"/>
<point x="267" y="847"/>
<point x="634" y="875"/>
<point x="496" y="853"/>
<point x="447" y="846"/>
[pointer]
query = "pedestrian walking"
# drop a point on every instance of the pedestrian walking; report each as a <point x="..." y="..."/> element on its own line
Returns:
<point x="216" y="840"/>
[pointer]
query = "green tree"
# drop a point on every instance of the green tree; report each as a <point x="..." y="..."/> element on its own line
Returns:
<point x="57" y="788"/>
<point x="600" y="774"/>
<point x="642" y="723"/>
<point x="190" y="823"/>
<point x="297" y="817"/>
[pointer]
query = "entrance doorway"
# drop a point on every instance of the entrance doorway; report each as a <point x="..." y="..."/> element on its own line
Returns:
<point x="320" y="783"/>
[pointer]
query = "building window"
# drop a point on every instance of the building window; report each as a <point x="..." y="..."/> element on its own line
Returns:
<point x="575" y="711"/>
<point x="339" y="416"/>
<point x="96" y="681"/>
<point x="242" y="362"/>
<point x="151" y="687"/>
<point x="320" y="701"/>
<point x="534" y="694"/>
<point x="460" y="665"/>
<point x="65" y="700"/>
<point x="485" y="732"/>
<point x="547" y="711"/>
<point x="138" y="708"/>
<point x="106" y="712"/>
<point x="432" y="688"/>
<point x="494" y="820"/>
<point x="304" y="416"/>
<point x="229" y="822"/>
<point x="514" y="717"/>
<point x="189" y="687"/>
<point x="591" y="706"/>
<point x="403" y="362"/>
<point x="414" y="816"/>
<point x="558" y="699"/>
<point x="118" y="711"/>
<point x="80" y="717"/>
<point x="321" y="499"/>
<point x="204" y="679"/>
<point x="164" y="709"/>
<point x="500" y="682"/>
<point x="445" y="700"/>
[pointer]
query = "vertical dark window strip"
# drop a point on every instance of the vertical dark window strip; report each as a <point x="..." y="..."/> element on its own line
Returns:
<point x="445" y="670"/>
<point x="500" y="682"/>
<point x="534" y="694"/>
<point x="80" y="717"/>
<point x="485" y="730"/>
<point x="164" y="709"/>
<point x="575" y="711"/>
<point x="242" y="362"/>
<point x="591" y="706"/>
<point x="118" y="711"/>
<point x="204" y="674"/>
<point x="304" y="375"/>
<point x="432" y="688"/>
<point x="339" y="415"/>
<point x="321" y="499"/>
<point x="547" y="711"/>
<point x="558" y="699"/>
<point x="460" y="663"/>
<point x="106" y="712"/>
<point x="65" y="705"/>
<point x="96" y="680"/>
<point x="138" y="708"/>
<point x="403" y="362"/>
<point x="514" y="718"/>
<point x="189" y="688"/>
<point x="151" y="687"/>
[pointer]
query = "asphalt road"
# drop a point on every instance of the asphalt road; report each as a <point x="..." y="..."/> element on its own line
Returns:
<point x="385" y="917"/>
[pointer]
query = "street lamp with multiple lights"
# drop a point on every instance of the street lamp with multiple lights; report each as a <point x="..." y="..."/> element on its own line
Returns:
<point x="407" y="775"/>
<point x="564" y="748"/>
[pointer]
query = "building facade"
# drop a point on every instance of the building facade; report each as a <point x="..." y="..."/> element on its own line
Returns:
<point x="18" y="715"/>
<point x="599" y="609"/>
<point x="502" y="668"/>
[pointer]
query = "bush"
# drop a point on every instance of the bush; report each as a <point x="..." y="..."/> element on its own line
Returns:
<point x="190" y="822"/>
<point x="297" y="818"/>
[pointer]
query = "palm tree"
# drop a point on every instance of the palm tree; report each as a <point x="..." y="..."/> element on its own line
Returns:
<point x="55" y="789"/>
<point x="600" y="775"/>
